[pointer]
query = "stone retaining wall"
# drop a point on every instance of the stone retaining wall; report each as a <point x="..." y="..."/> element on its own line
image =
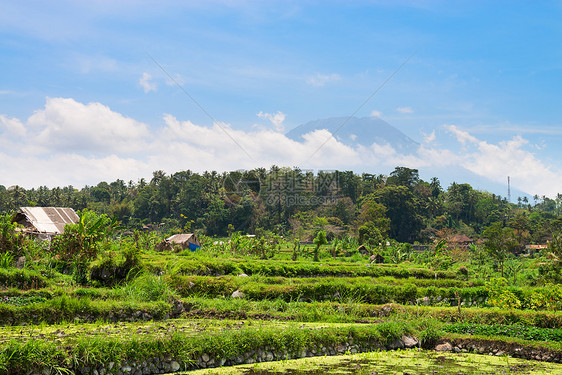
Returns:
<point x="266" y="354"/>
<point x="499" y="348"/>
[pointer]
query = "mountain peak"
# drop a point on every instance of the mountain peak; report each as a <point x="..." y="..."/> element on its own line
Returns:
<point x="353" y="131"/>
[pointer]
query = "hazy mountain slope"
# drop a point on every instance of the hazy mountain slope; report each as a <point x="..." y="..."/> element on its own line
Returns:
<point x="368" y="130"/>
<point x="358" y="131"/>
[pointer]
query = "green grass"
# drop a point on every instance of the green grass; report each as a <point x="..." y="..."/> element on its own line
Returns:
<point x="18" y="355"/>
<point x="515" y="330"/>
<point x="541" y="319"/>
<point x="201" y="264"/>
<point x="22" y="279"/>
<point x="319" y="289"/>
<point x="68" y="308"/>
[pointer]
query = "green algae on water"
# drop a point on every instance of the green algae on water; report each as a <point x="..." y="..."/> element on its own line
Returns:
<point x="412" y="362"/>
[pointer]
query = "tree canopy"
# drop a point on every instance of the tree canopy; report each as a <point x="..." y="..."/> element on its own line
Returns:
<point x="400" y="206"/>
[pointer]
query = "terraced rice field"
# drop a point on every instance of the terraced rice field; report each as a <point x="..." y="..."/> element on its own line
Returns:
<point x="189" y="311"/>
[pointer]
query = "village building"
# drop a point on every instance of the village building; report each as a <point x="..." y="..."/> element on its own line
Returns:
<point x="534" y="249"/>
<point x="44" y="222"/>
<point x="460" y="241"/>
<point x="182" y="241"/>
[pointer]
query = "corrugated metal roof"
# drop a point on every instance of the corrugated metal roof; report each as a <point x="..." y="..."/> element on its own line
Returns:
<point x="183" y="238"/>
<point x="49" y="219"/>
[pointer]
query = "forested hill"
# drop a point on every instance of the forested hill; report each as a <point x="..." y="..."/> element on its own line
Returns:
<point x="400" y="206"/>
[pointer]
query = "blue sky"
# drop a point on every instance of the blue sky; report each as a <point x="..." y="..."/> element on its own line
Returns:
<point x="81" y="100"/>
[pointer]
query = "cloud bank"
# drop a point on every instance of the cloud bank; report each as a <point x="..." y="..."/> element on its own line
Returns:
<point x="71" y="143"/>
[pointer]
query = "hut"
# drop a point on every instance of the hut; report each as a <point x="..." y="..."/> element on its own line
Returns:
<point x="184" y="241"/>
<point x="45" y="222"/>
<point x="460" y="241"/>
<point x="376" y="258"/>
<point x="535" y="249"/>
<point x="362" y="249"/>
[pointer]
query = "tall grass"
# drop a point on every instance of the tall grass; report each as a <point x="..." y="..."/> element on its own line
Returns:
<point x="6" y="260"/>
<point x="148" y="288"/>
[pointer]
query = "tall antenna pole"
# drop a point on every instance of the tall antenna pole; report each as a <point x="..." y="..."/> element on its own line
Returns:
<point x="508" y="189"/>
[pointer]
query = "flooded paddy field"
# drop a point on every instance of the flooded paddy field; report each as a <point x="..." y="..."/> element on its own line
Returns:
<point x="401" y="362"/>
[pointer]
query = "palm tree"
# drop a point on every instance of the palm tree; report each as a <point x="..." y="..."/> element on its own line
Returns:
<point x="157" y="177"/>
<point x="319" y="241"/>
<point x="526" y="203"/>
<point x="17" y="196"/>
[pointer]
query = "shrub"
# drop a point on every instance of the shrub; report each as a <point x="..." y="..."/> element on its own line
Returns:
<point x="10" y="241"/>
<point x="215" y="267"/>
<point x="109" y="271"/>
<point x="37" y="355"/>
<point x="430" y="331"/>
<point x="69" y="306"/>
<point x="81" y="242"/>
<point x="391" y="331"/>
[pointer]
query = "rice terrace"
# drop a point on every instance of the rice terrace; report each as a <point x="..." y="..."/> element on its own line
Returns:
<point x="224" y="273"/>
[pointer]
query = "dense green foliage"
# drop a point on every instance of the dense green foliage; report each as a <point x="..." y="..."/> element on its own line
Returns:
<point x="519" y="331"/>
<point x="288" y="201"/>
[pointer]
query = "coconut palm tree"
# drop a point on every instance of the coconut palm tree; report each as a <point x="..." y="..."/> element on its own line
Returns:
<point x="319" y="241"/>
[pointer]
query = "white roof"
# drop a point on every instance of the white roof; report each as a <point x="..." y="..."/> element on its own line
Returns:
<point x="49" y="219"/>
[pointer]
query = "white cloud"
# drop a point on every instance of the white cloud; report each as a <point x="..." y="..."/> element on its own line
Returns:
<point x="437" y="157"/>
<point x="462" y="136"/>
<point x="320" y="80"/>
<point x="65" y="125"/>
<point x="188" y="143"/>
<point x="67" y="169"/>
<point x="405" y="110"/>
<point x="68" y="142"/>
<point x="11" y="126"/>
<point x="276" y="119"/>
<point x="375" y="113"/>
<point x="386" y="155"/>
<point x="507" y="158"/>
<point x="428" y="138"/>
<point x="146" y="84"/>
